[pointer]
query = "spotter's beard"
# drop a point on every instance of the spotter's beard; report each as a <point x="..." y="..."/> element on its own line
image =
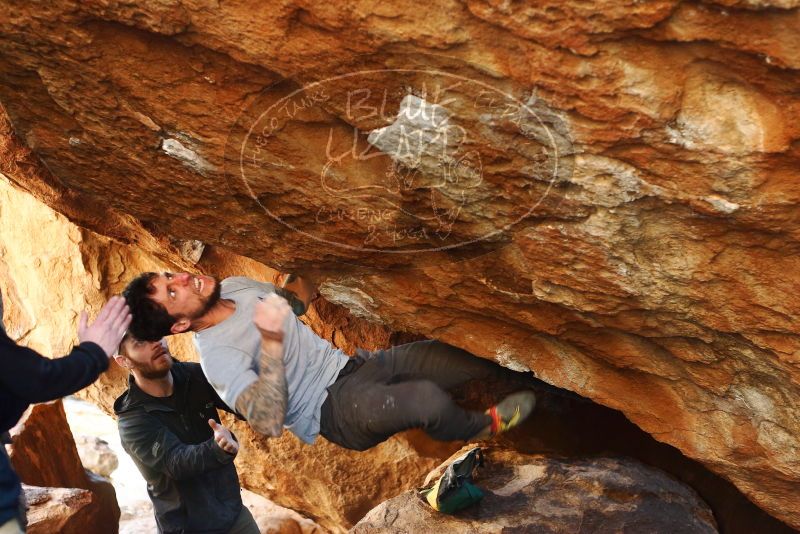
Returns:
<point x="150" y="372"/>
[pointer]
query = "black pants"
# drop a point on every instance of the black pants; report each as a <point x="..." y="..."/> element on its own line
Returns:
<point x="387" y="391"/>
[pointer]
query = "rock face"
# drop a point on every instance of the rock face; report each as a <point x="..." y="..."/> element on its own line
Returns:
<point x="544" y="494"/>
<point x="96" y="455"/>
<point x="607" y="192"/>
<point x="44" y="454"/>
<point x="337" y="488"/>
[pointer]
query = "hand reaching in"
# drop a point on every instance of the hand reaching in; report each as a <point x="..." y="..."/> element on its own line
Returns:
<point x="304" y="288"/>
<point x="109" y="327"/>
<point x="224" y="438"/>
<point x="269" y="316"/>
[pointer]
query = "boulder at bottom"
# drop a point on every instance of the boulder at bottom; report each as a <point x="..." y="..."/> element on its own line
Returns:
<point x="44" y="454"/>
<point x="534" y="493"/>
<point x="62" y="510"/>
<point x="274" y="519"/>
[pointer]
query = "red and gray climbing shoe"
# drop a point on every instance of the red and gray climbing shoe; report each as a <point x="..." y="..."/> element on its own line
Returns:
<point x="511" y="411"/>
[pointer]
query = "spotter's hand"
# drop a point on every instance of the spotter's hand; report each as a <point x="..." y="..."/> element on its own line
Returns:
<point x="109" y="326"/>
<point x="224" y="438"/>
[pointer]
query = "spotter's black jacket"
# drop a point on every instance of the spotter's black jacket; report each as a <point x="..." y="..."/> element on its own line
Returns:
<point x="192" y="482"/>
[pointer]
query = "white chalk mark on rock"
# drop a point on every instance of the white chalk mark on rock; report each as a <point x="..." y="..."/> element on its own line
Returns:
<point x="354" y="299"/>
<point x="720" y="204"/>
<point x="175" y="149"/>
<point x="505" y="357"/>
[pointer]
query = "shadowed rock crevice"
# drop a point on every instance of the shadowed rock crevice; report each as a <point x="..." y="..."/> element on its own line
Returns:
<point x="566" y="425"/>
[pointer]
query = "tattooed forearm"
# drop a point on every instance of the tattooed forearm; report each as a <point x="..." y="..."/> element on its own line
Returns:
<point x="263" y="403"/>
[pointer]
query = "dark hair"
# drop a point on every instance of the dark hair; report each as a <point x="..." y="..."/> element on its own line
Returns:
<point x="150" y="321"/>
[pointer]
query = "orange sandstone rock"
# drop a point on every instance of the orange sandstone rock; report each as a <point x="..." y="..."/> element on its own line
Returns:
<point x="660" y="150"/>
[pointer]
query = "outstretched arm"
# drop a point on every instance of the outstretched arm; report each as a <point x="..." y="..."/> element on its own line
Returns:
<point x="34" y="378"/>
<point x="263" y="403"/>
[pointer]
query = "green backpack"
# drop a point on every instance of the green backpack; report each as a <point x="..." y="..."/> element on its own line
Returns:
<point x="454" y="490"/>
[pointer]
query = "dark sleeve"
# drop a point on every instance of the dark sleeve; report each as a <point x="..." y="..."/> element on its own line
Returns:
<point x="149" y="442"/>
<point x="34" y="378"/>
<point x="298" y="307"/>
<point x="218" y="402"/>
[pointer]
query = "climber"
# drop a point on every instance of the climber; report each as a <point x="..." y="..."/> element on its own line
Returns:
<point x="27" y="377"/>
<point x="279" y="374"/>
<point x="168" y="424"/>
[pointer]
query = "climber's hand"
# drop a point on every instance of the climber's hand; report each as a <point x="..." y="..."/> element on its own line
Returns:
<point x="269" y="316"/>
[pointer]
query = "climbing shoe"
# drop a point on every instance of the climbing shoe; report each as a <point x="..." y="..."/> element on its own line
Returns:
<point x="511" y="411"/>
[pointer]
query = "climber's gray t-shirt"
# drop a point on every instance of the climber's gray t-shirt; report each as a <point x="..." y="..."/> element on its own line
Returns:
<point x="229" y="356"/>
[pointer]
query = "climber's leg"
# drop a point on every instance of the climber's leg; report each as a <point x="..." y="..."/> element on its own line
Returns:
<point x="387" y="391"/>
<point x="360" y="414"/>
<point x="444" y="364"/>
